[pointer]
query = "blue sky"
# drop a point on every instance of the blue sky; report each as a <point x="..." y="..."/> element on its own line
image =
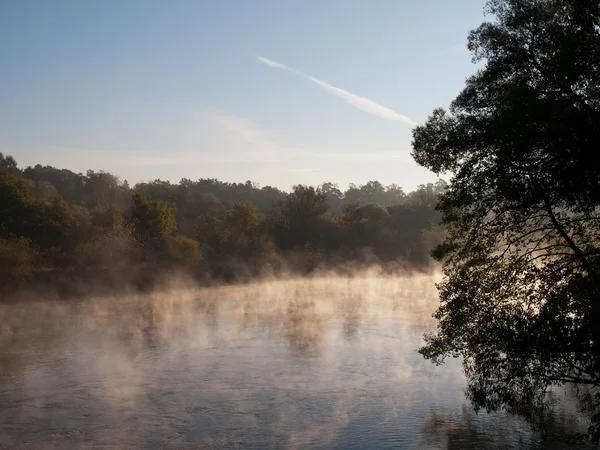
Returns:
<point x="275" y="91"/>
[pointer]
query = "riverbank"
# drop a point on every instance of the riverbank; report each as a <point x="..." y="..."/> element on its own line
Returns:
<point x="68" y="284"/>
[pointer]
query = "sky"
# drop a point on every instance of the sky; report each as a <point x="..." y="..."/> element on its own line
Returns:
<point x="278" y="92"/>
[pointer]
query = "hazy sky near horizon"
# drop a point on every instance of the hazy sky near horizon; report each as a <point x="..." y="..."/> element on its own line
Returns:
<point x="273" y="91"/>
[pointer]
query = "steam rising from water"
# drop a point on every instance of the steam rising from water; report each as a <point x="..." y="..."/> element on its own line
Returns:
<point x="320" y="362"/>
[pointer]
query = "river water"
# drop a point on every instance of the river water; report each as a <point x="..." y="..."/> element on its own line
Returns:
<point x="327" y="362"/>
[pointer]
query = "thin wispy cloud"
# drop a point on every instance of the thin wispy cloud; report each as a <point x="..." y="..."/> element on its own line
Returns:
<point x="362" y="103"/>
<point x="219" y="144"/>
<point x="271" y="63"/>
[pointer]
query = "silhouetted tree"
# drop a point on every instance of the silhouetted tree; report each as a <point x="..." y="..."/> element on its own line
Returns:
<point x="520" y="301"/>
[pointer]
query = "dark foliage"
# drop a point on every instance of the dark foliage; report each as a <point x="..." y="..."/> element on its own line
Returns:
<point x="56" y="224"/>
<point x="520" y="301"/>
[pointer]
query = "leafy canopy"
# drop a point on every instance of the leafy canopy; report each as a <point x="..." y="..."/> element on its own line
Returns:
<point x="520" y="299"/>
<point x="154" y="221"/>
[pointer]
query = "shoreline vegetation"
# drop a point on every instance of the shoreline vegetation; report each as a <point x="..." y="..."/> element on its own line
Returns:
<point x="66" y="234"/>
<point x="520" y="294"/>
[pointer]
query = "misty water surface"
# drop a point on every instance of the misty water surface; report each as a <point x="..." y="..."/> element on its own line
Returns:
<point x="324" y="363"/>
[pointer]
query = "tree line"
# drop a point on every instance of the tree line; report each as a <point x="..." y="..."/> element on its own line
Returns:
<point x="94" y="228"/>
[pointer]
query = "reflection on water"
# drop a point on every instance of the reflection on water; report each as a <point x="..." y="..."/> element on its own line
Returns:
<point x="322" y="363"/>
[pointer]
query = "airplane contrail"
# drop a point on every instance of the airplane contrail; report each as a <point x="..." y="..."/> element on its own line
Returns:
<point x="362" y="103"/>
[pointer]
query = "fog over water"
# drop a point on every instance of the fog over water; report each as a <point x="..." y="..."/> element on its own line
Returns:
<point x="322" y="362"/>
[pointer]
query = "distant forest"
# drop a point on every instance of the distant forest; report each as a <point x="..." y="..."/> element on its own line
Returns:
<point x="75" y="231"/>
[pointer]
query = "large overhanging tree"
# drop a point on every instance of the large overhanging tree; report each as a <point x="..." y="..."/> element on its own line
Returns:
<point x="520" y="299"/>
